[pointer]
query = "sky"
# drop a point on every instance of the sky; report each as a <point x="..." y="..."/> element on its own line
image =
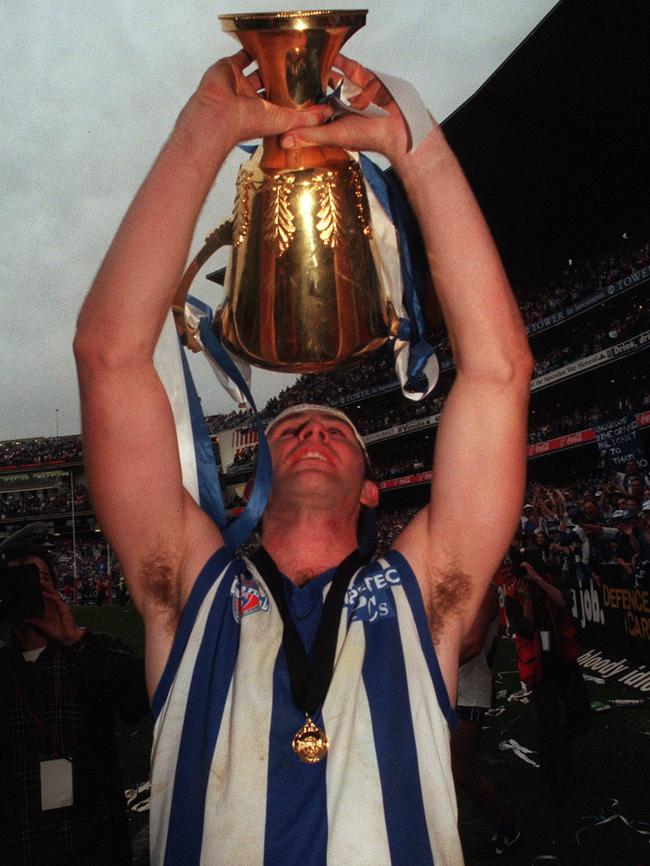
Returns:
<point x="90" y="92"/>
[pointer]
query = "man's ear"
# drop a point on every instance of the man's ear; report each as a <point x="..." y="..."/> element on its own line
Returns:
<point x="369" y="494"/>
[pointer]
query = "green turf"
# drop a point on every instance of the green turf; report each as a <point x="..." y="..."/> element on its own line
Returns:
<point x="124" y="623"/>
<point x="611" y="763"/>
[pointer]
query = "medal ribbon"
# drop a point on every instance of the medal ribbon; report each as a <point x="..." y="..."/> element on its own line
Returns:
<point x="310" y="679"/>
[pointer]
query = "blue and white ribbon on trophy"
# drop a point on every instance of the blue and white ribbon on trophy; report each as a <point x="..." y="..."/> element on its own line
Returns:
<point x="402" y="267"/>
<point x="200" y="477"/>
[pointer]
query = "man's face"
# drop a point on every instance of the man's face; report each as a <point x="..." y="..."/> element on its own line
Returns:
<point x="314" y="450"/>
<point x="636" y="487"/>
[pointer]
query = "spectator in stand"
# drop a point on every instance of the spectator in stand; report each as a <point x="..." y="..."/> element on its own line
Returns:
<point x="550" y="505"/>
<point x="554" y="553"/>
<point x="530" y="520"/>
<point x="590" y="511"/>
<point x="636" y="489"/>
<point x="631" y="544"/>
<point x="603" y="539"/>
<point x="603" y="500"/>
<point x="582" y="551"/>
<point x="631" y="476"/>
<point x="61" y="790"/>
<point x="537" y="606"/>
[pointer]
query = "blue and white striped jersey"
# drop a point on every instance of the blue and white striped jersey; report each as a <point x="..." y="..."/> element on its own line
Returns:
<point x="226" y="787"/>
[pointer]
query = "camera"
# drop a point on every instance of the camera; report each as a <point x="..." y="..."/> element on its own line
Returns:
<point x="20" y="593"/>
<point x="532" y="556"/>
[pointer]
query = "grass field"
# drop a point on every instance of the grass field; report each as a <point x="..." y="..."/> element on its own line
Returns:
<point x="612" y="763"/>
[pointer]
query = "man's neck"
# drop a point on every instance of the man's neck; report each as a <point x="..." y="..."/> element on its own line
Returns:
<point x="308" y="544"/>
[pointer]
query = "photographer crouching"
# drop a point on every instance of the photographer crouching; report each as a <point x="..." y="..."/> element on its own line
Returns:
<point x="61" y="789"/>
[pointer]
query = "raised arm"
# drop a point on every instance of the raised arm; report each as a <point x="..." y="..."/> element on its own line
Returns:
<point x="554" y="593"/>
<point x="159" y="533"/>
<point x="480" y="454"/>
<point x="540" y="505"/>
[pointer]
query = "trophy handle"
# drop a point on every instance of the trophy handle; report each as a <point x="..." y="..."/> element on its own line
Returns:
<point x="220" y="237"/>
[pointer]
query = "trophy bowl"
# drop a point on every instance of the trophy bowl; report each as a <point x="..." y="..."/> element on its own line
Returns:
<point x="302" y="288"/>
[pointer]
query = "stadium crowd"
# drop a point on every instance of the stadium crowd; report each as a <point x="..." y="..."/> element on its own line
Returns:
<point x="31" y="503"/>
<point x="54" y="449"/>
<point x="92" y="568"/>
<point x="546" y="422"/>
<point x="387" y="412"/>
<point x="582" y="344"/>
<point x="578" y="280"/>
<point x="600" y="520"/>
<point x="598" y="527"/>
<point x="587" y="410"/>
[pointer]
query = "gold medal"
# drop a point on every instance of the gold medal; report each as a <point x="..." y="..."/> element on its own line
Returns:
<point x="309" y="678"/>
<point x="309" y="743"/>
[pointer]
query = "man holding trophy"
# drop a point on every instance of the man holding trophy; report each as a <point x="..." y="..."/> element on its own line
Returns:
<point x="302" y="697"/>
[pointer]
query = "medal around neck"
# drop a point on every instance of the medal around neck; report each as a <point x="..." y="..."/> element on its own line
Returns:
<point x="309" y="678"/>
<point x="303" y="290"/>
<point x="309" y="743"/>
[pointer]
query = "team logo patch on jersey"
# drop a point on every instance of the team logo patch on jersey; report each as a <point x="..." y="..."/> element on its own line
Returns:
<point x="370" y="597"/>
<point x="247" y="597"/>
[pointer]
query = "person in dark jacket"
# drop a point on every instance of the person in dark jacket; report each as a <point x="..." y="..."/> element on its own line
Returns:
<point x="61" y="788"/>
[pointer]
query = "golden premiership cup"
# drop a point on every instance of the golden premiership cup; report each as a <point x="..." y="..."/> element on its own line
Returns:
<point x="302" y="288"/>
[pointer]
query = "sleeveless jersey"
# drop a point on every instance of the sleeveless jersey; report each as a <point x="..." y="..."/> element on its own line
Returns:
<point x="226" y="787"/>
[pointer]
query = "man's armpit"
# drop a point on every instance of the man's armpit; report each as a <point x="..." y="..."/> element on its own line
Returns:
<point x="447" y="593"/>
<point x="160" y="588"/>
